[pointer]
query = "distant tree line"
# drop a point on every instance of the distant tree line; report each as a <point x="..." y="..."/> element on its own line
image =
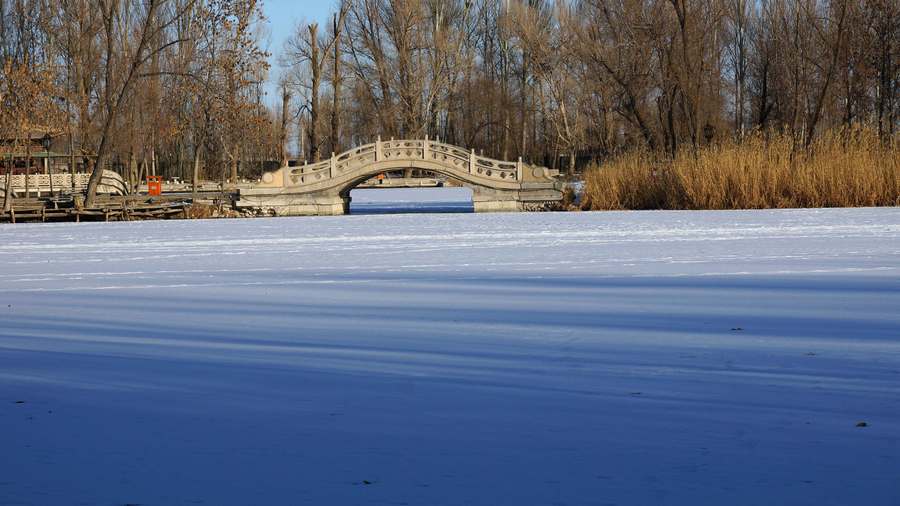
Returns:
<point x="176" y="87"/>
<point x="557" y="82"/>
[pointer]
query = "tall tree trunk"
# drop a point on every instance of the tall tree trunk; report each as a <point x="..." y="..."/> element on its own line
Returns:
<point x="142" y="170"/>
<point x="285" y="106"/>
<point x="132" y="172"/>
<point x="195" y="174"/>
<point x="114" y="105"/>
<point x="301" y="139"/>
<point x="314" y="93"/>
<point x="336" y="81"/>
<point x="7" y="190"/>
<point x="829" y="76"/>
<point x="28" y="168"/>
<point x="523" y="112"/>
<point x="72" y="157"/>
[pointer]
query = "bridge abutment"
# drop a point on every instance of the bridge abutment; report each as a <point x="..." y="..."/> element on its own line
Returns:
<point x="487" y="200"/>
<point x="295" y="204"/>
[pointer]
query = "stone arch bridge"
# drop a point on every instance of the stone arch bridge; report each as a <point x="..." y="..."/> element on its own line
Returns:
<point x="324" y="188"/>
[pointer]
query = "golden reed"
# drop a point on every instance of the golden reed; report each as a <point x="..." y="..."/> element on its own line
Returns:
<point x="842" y="168"/>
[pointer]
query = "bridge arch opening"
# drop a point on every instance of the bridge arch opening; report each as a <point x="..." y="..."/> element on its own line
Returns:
<point x="407" y="191"/>
<point x="440" y="199"/>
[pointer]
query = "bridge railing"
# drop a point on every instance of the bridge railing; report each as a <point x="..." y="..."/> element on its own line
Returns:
<point x="451" y="155"/>
<point x="311" y="173"/>
<point x="406" y="149"/>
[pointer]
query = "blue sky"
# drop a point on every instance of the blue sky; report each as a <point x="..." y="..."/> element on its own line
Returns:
<point x="282" y="16"/>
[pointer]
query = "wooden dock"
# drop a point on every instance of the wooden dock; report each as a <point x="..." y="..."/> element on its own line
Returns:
<point x="107" y="208"/>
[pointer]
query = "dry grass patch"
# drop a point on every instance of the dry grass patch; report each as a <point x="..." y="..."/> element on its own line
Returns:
<point x="841" y="169"/>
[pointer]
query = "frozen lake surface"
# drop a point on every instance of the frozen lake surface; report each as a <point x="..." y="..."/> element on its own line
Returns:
<point x="647" y="358"/>
<point x="411" y="200"/>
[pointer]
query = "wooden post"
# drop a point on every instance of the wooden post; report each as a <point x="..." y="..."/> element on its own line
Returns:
<point x="472" y="161"/>
<point x="47" y="171"/>
<point x="7" y="186"/>
<point x="28" y="170"/>
<point x="72" y="157"/>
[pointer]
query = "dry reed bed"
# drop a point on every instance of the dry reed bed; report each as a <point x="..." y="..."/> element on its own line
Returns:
<point x="840" y="169"/>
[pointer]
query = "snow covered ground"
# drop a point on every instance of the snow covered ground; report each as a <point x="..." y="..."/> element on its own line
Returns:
<point x="646" y="358"/>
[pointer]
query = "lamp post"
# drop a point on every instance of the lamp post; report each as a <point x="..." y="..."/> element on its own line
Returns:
<point x="46" y="140"/>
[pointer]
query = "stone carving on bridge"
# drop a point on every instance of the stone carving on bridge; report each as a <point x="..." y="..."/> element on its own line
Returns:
<point x="323" y="188"/>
